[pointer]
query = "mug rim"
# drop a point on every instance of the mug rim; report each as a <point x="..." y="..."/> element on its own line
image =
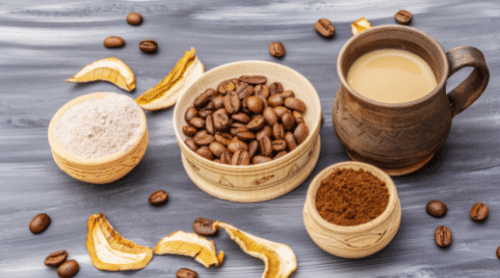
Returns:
<point x="440" y="83"/>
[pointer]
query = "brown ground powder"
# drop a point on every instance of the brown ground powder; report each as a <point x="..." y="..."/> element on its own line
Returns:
<point x="348" y="197"/>
<point x="99" y="127"/>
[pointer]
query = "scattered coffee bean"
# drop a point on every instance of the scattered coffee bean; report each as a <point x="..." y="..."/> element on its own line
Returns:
<point x="186" y="273"/>
<point x="134" y="18"/>
<point x="39" y="223"/>
<point x="204" y="227"/>
<point x="324" y="27"/>
<point x="498" y="252"/>
<point x="436" y="208"/>
<point x="158" y="198"/>
<point x="68" y="269"/>
<point x="113" y="42"/>
<point x="277" y="49"/>
<point x="403" y="17"/>
<point x="442" y="236"/>
<point x="148" y="46"/>
<point x="478" y="212"/>
<point x="56" y="258"/>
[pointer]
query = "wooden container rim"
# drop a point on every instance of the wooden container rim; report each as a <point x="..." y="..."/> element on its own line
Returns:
<point x="98" y="161"/>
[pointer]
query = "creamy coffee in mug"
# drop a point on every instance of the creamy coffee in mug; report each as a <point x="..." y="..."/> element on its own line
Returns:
<point x="391" y="76"/>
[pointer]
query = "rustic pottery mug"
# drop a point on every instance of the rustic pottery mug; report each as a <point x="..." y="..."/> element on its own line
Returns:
<point x="402" y="137"/>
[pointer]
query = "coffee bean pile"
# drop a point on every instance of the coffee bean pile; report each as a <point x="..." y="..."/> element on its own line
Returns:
<point x="245" y="122"/>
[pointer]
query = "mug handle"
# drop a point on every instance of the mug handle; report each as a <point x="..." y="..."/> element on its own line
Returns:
<point x="473" y="86"/>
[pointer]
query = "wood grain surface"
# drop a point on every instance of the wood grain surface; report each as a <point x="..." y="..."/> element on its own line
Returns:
<point x="44" y="42"/>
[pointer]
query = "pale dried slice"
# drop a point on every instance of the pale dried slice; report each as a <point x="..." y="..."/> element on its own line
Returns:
<point x="279" y="259"/>
<point x="165" y="94"/>
<point x="108" y="250"/>
<point x="360" y="25"/>
<point x="109" y="69"/>
<point x="192" y="245"/>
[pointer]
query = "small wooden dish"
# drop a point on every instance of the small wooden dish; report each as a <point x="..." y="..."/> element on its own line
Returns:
<point x="261" y="182"/>
<point x="352" y="241"/>
<point x="97" y="170"/>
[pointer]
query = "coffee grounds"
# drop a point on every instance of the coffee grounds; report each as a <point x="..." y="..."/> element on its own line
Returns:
<point x="99" y="127"/>
<point x="348" y="197"/>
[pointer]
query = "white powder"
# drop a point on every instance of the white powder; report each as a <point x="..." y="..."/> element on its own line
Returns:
<point x="99" y="127"/>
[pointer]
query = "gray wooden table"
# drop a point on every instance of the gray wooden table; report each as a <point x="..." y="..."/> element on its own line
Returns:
<point x="44" y="42"/>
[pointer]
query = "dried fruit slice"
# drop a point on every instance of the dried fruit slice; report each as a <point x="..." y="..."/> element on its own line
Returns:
<point x="360" y="25"/>
<point x="279" y="258"/>
<point x="108" y="250"/>
<point x="110" y="69"/>
<point x="165" y="94"/>
<point x="192" y="245"/>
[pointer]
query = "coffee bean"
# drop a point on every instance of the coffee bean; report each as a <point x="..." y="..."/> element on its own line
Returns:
<point x="201" y="100"/>
<point x="478" y="212"/>
<point x="225" y="158"/>
<point x="197" y="122"/>
<point x="237" y="145"/>
<point x="254" y="104"/>
<point x="205" y="152"/>
<point x="280" y="154"/>
<point x="257" y="123"/>
<point x="244" y="90"/>
<point x="186" y="273"/>
<point x="217" y="148"/>
<point x="240" y="158"/>
<point x="191" y="144"/>
<point x="301" y="132"/>
<point x="403" y="17"/>
<point x="287" y="94"/>
<point x="223" y="137"/>
<point x="275" y="100"/>
<point x="270" y="116"/>
<point x="148" y="46"/>
<point x="203" y="113"/>
<point x="290" y="141"/>
<point x="442" y="236"/>
<point x="258" y="159"/>
<point x="134" y="18"/>
<point x="221" y="119"/>
<point x="288" y="121"/>
<point x="241" y="117"/>
<point x="279" y="145"/>
<point x="113" y="42"/>
<point x="280" y="111"/>
<point x="158" y="198"/>
<point x="254" y="79"/>
<point x="265" y="131"/>
<point x="266" y="147"/>
<point x="324" y="27"/>
<point x="209" y="124"/>
<point x="68" y="269"/>
<point x="244" y="134"/>
<point x="191" y="112"/>
<point x="297" y="116"/>
<point x="498" y="252"/>
<point x="56" y="258"/>
<point x="278" y="131"/>
<point x="253" y="148"/>
<point x="189" y="130"/>
<point x="295" y="104"/>
<point x="204" y="227"/>
<point x="203" y="139"/>
<point x="39" y="223"/>
<point x="232" y="103"/>
<point x="218" y="102"/>
<point x="261" y="90"/>
<point x="275" y="88"/>
<point x="277" y="49"/>
<point x="436" y="208"/>
<point x="226" y="87"/>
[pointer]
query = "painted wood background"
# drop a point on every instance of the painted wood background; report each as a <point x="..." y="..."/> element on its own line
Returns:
<point x="44" y="42"/>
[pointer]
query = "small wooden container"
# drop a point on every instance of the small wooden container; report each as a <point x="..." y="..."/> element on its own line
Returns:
<point x="261" y="182"/>
<point x="102" y="169"/>
<point x="352" y="241"/>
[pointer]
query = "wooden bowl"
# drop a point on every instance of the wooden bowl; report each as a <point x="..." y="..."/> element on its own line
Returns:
<point x="102" y="169"/>
<point x="352" y="241"/>
<point x="260" y="182"/>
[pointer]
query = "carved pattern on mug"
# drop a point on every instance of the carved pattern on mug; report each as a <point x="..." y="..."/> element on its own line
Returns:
<point x="225" y="182"/>
<point x="294" y="169"/>
<point x="263" y="180"/>
<point x="192" y="165"/>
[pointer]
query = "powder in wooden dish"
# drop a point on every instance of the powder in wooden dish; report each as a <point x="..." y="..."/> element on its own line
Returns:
<point x="99" y="127"/>
<point x="351" y="197"/>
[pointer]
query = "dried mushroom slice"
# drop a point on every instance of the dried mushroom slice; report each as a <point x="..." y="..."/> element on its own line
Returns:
<point x="108" y="250"/>
<point x="360" y="25"/>
<point x="192" y="245"/>
<point x="279" y="259"/>
<point x="165" y="94"/>
<point x="110" y="69"/>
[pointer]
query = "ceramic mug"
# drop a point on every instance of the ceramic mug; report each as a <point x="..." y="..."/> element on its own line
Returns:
<point x="402" y="137"/>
